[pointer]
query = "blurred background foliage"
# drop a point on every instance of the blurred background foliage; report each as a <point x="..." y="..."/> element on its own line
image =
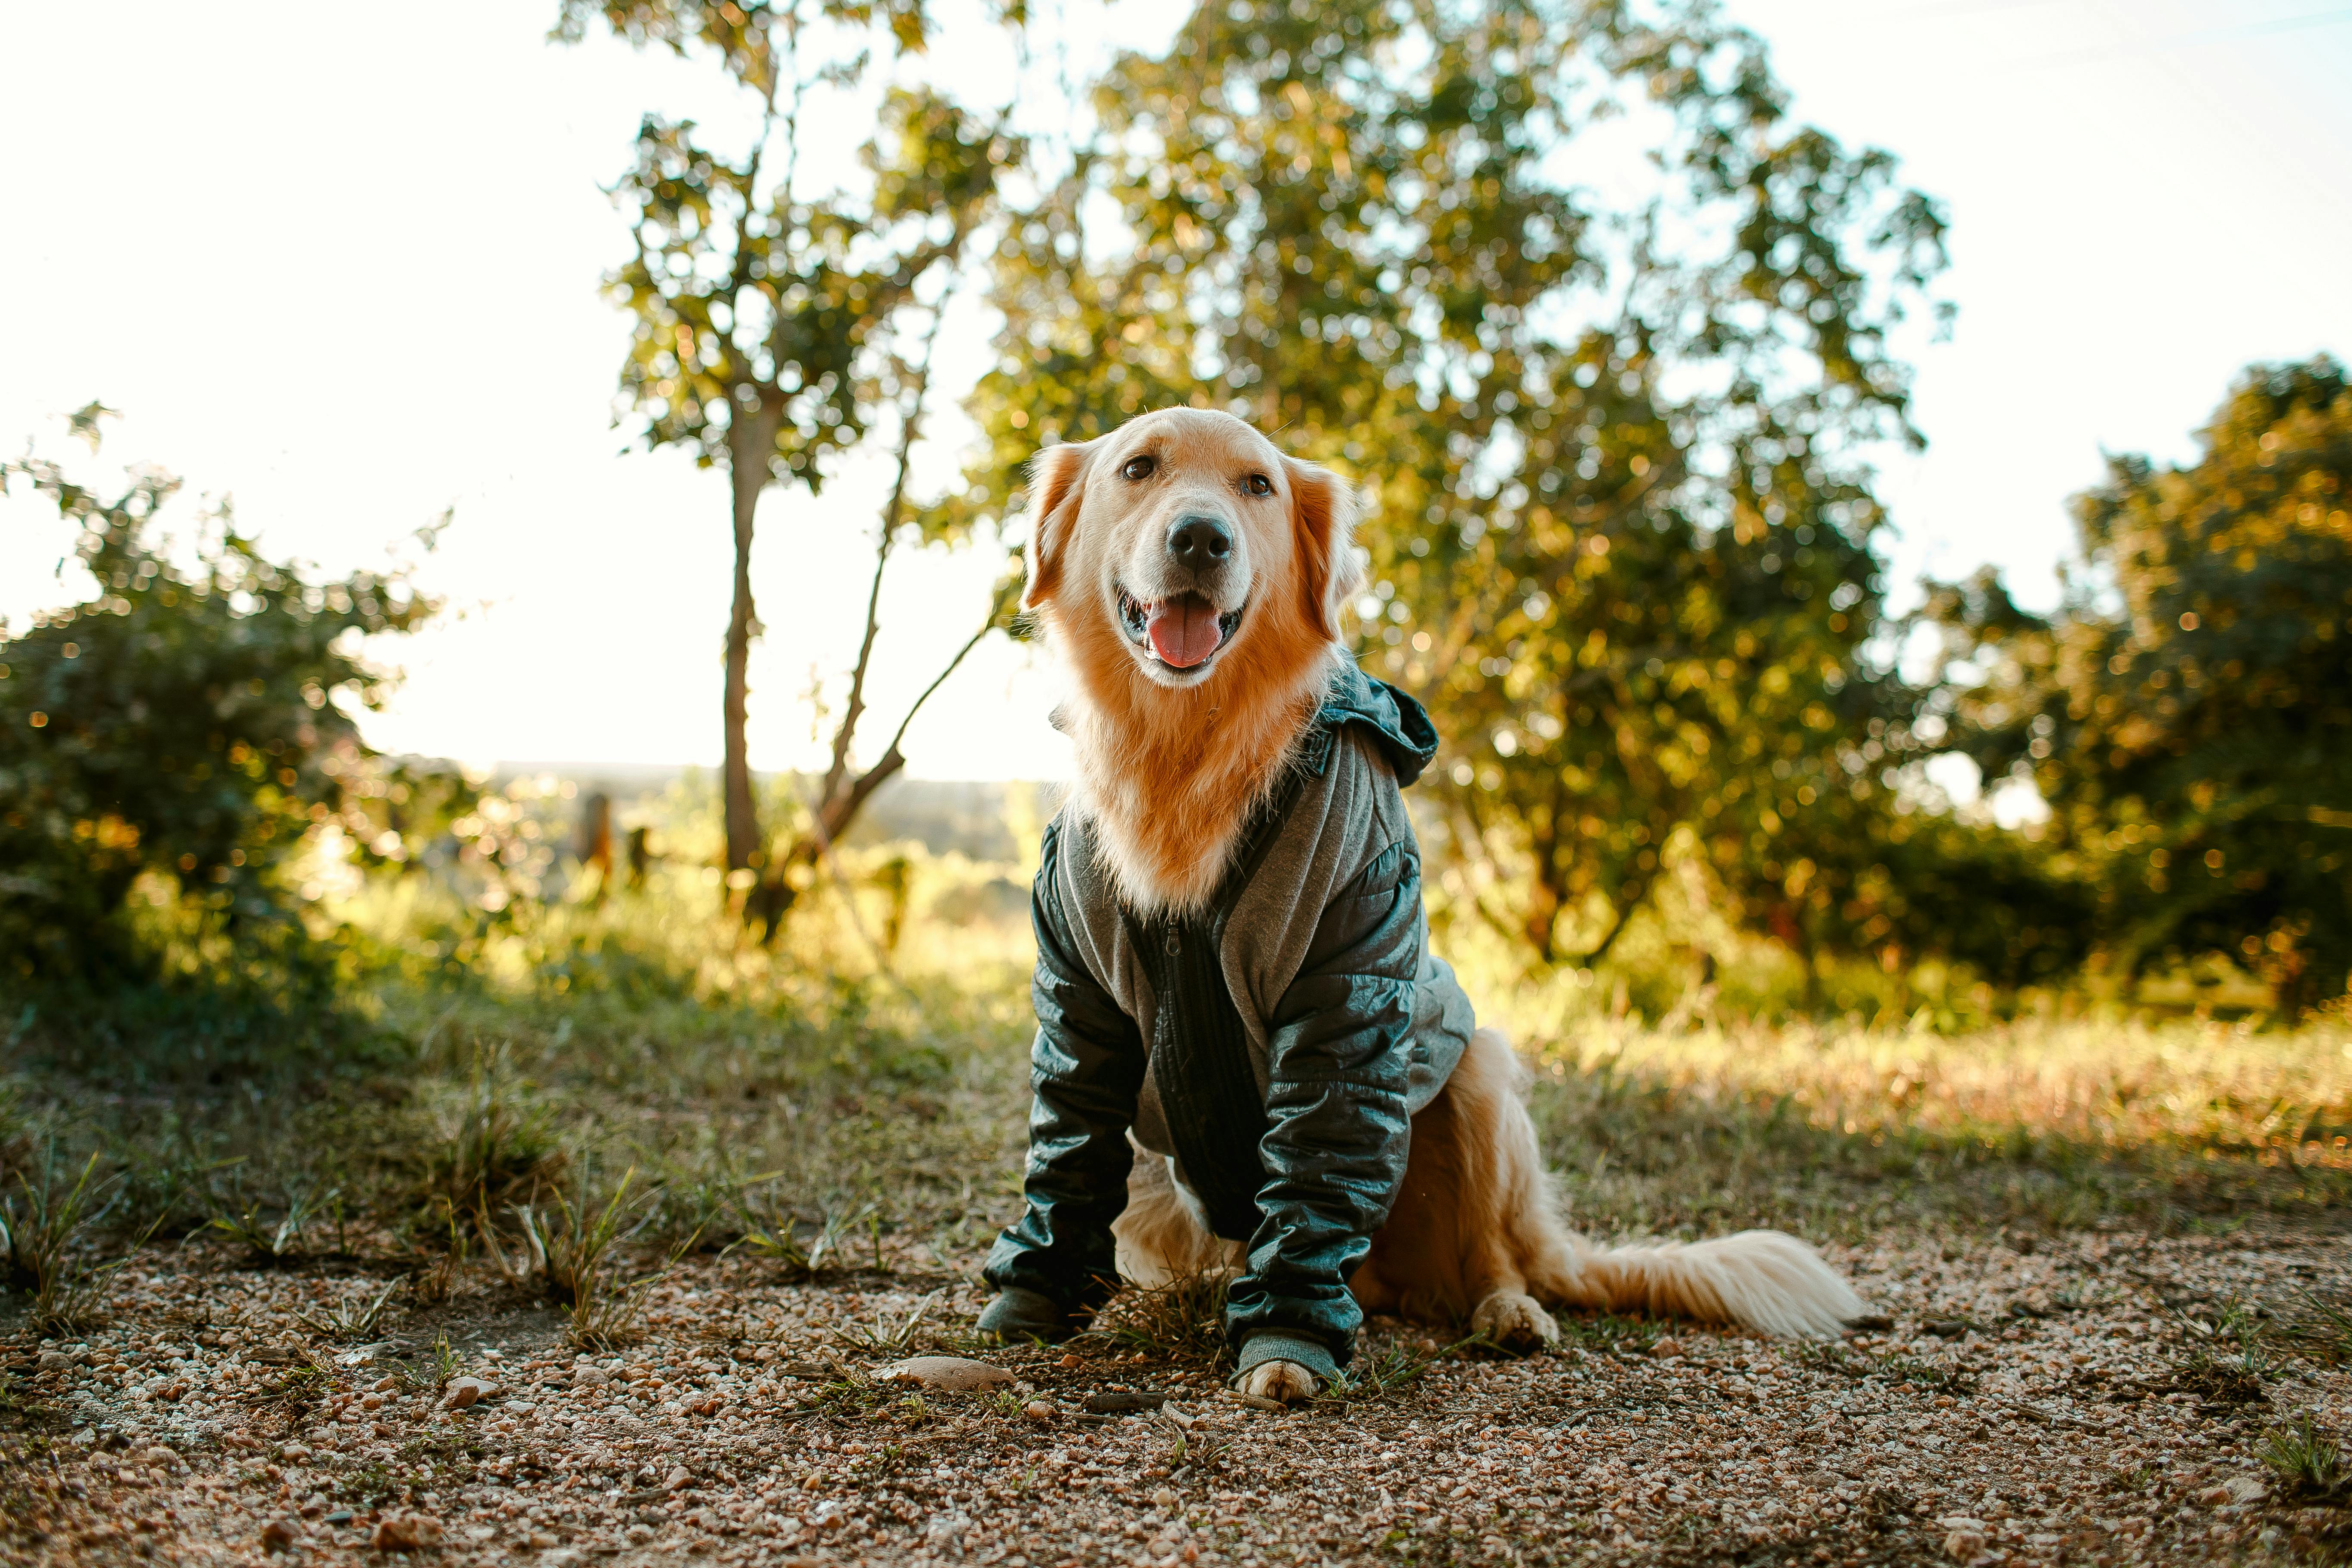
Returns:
<point x="1624" y="544"/>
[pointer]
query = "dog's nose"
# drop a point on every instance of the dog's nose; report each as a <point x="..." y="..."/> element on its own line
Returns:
<point x="1200" y="542"/>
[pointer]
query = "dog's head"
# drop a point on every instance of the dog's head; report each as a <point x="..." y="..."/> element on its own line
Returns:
<point x="1186" y="540"/>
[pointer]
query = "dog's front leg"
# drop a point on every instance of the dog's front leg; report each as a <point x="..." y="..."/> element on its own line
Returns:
<point x="1284" y="1381"/>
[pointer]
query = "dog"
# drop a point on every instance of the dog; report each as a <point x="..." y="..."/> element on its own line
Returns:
<point x="1236" y="799"/>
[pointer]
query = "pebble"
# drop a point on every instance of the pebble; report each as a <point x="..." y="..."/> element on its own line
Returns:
<point x="590" y="1377"/>
<point x="159" y="1455"/>
<point x="280" y="1535"/>
<point x="950" y="1373"/>
<point x="407" y="1532"/>
<point x="680" y="1480"/>
<point x="464" y="1391"/>
<point x="1038" y="1410"/>
<point x="1964" y="1539"/>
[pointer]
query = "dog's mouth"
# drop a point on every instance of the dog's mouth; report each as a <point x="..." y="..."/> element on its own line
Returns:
<point x="1183" y="632"/>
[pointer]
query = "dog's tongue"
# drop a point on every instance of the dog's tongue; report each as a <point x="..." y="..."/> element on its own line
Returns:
<point x="1183" y="630"/>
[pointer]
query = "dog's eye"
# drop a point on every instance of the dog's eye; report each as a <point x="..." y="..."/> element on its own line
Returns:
<point x="1139" y="468"/>
<point x="1258" y="485"/>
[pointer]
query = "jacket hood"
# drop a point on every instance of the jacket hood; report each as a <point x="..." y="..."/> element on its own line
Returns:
<point x="1401" y="725"/>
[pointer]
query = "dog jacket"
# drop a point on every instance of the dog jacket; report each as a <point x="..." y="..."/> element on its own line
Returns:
<point x="1274" y="1047"/>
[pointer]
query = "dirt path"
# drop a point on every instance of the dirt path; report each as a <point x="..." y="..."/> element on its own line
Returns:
<point x="2062" y="1405"/>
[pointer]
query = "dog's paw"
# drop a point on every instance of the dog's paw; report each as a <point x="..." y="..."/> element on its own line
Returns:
<point x="1514" y="1321"/>
<point x="1285" y="1381"/>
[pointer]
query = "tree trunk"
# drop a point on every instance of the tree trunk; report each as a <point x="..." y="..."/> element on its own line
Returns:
<point x="749" y="440"/>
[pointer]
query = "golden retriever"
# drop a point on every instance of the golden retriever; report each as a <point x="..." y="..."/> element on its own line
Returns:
<point x="1195" y="665"/>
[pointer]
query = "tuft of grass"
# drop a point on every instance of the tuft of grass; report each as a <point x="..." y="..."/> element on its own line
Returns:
<point x="437" y="1280"/>
<point x="494" y="1147"/>
<point x="1397" y="1366"/>
<point x="2226" y="1362"/>
<point x="283" y="1242"/>
<point x="884" y="1338"/>
<point x="348" y="1321"/>
<point x="2321" y="1329"/>
<point x="775" y="1231"/>
<point x="1183" y="1320"/>
<point x="570" y="1247"/>
<point x="40" y="1224"/>
<point x="2308" y="1463"/>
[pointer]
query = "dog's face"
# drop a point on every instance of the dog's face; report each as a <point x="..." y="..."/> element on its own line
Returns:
<point x="1189" y="538"/>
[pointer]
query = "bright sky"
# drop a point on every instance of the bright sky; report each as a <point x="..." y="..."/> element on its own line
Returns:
<point x="344" y="264"/>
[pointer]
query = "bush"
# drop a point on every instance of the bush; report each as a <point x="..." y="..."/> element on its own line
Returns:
<point x="166" y="745"/>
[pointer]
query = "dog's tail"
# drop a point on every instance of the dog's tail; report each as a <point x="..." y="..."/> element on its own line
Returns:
<point x="1764" y="1279"/>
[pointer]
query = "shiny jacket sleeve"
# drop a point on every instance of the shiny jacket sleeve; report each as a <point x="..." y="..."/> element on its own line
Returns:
<point x="1338" y="1058"/>
<point x="1086" y="1070"/>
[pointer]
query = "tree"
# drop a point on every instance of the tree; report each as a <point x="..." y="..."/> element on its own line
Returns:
<point x="2187" y="711"/>
<point x="778" y="329"/>
<point x="1622" y="543"/>
<point x="185" y="728"/>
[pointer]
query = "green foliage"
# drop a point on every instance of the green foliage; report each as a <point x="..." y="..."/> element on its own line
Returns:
<point x="1622" y="543"/>
<point x="776" y="329"/>
<point x="2187" y="712"/>
<point x="166" y="745"/>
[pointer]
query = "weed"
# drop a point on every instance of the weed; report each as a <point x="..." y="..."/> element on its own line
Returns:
<point x="569" y="1248"/>
<point x="437" y="1280"/>
<point x="40" y="1235"/>
<point x="301" y="1388"/>
<point x="2308" y="1463"/>
<point x="494" y="1147"/>
<point x="281" y="1243"/>
<point x="2226" y="1362"/>
<point x="1183" y="1320"/>
<point x="882" y="1339"/>
<point x="2322" y="1330"/>
<point x="775" y="1232"/>
<point x="349" y="1321"/>
<point x="1397" y="1366"/>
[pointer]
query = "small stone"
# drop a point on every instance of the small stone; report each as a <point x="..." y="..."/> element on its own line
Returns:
<point x="159" y="1455"/>
<point x="280" y="1535"/>
<point x="1163" y="1497"/>
<point x="1666" y="1346"/>
<point x="680" y="1480"/>
<point x="407" y="1532"/>
<point x="539" y="1541"/>
<point x="948" y="1374"/>
<point x="1068" y="1363"/>
<point x="294" y="1453"/>
<point x="385" y="1384"/>
<point x="590" y="1377"/>
<point x="1964" y="1539"/>
<point x="465" y="1391"/>
<point x="1038" y="1410"/>
<point x="55" y="1361"/>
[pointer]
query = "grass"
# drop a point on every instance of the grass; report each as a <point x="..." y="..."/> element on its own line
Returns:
<point x="2308" y="1463"/>
<point x="42" y="1223"/>
<point x="513" y="1056"/>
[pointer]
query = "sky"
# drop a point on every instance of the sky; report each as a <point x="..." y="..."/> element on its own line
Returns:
<point x="343" y="264"/>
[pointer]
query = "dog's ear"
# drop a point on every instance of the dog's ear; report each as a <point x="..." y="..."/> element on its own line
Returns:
<point x="1057" y="483"/>
<point x="1323" y="512"/>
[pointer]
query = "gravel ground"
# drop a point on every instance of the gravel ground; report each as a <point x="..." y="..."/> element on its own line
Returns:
<point x="2066" y="1404"/>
